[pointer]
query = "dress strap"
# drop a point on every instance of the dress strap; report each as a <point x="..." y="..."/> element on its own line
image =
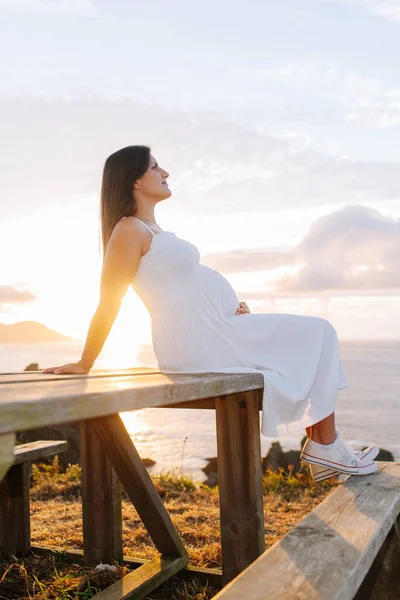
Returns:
<point x="152" y="232"/>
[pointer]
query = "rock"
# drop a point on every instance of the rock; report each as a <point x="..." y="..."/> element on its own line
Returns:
<point x="275" y="459"/>
<point x="212" y="480"/>
<point x="292" y="457"/>
<point x="32" y="367"/>
<point x="212" y="466"/>
<point x="211" y="470"/>
<point x="148" y="462"/>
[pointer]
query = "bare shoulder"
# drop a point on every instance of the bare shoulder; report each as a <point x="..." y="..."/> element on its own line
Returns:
<point x="128" y="226"/>
<point x="128" y="233"/>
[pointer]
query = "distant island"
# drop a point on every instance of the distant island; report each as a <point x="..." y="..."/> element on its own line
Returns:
<point x="29" y="332"/>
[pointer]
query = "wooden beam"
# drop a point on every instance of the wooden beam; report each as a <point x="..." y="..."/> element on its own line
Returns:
<point x="14" y="512"/>
<point x="49" y="402"/>
<point x="207" y="403"/>
<point x="143" y="580"/>
<point x="138" y="485"/>
<point x="38" y="449"/>
<point x="101" y="502"/>
<point x="203" y="574"/>
<point x="329" y="553"/>
<point x="239" y="481"/>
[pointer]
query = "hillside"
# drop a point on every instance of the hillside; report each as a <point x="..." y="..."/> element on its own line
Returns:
<point x="28" y="332"/>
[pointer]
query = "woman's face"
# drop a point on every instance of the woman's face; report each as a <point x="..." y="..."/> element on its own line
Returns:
<point x="153" y="184"/>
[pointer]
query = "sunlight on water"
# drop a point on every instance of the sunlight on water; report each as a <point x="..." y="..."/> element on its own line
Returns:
<point x="135" y="422"/>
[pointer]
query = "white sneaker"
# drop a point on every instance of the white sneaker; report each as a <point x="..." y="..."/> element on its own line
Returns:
<point x="338" y="457"/>
<point x="320" y="473"/>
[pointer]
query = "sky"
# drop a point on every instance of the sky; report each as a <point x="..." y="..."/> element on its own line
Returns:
<point x="278" y="123"/>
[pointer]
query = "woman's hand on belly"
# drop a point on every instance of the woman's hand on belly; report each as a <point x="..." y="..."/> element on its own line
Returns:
<point x="243" y="309"/>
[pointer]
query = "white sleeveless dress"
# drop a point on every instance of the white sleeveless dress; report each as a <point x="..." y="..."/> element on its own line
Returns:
<point x="195" y="330"/>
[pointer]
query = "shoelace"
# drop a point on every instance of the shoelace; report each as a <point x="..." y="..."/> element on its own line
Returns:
<point x="351" y="451"/>
<point x="350" y="448"/>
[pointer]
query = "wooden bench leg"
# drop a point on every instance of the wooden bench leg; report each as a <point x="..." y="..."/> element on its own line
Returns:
<point x="101" y="502"/>
<point x="14" y="512"/>
<point x="118" y="445"/>
<point x="240" y="481"/>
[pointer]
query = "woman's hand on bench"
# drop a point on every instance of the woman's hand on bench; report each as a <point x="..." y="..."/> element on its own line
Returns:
<point x="243" y="309"/>
<point x="76" y="368"/>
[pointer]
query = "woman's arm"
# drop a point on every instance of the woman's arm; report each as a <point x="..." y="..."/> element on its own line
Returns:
<point x="121" y="261"/>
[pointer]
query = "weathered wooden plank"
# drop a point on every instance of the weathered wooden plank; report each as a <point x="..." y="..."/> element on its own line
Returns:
<point x="383" y="579"/>
<point x="14" y="512"/>
<point x="7" y="443"/>
<point x="203" y="574"/>
<point x="101" y="502"/>
<point x="38" y="449"/>
<point x="28" y="406"/>
<point x="143" y="580"/>
<point x="39" y="376"/>
<point x="329" y="553"/>
<point x="207" y="403"/>
<point x="239" y="481"/>
<point x="117" y="443"/>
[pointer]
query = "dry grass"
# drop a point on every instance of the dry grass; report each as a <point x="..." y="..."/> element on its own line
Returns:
<point x="193" y="507"/>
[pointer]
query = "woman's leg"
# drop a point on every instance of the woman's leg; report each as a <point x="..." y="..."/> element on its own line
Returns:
<point x="323" y="432"/>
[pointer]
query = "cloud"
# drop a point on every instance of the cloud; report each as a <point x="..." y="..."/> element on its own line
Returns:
<point x="338" y="96"/>
<point x="389" y="9"/>
<point x="13" y="294"/>
<point x="57" y="6"/>
<point x="54" y="151"/>
<point x="355" y="250"/>
<point x="246" y="260"/>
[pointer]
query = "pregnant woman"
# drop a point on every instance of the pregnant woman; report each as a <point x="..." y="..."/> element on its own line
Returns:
<point x="199" y="325"/>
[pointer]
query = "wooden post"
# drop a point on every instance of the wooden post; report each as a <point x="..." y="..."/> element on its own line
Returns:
<point x="240" y="481"/>
<point x="14" y="512"/>
<point x="117" y="442"/>
<point x="101" y="502"/>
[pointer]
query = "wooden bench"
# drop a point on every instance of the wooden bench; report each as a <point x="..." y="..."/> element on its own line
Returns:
<point x="29" y="400"/>
<point x="348" y="547"/>
<point x="14" y="496"/>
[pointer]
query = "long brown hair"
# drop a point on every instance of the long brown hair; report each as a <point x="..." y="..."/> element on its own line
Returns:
<point x="121" y="170"/>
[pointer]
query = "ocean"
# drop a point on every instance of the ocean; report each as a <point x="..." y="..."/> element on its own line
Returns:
<point x="367" y="412"/>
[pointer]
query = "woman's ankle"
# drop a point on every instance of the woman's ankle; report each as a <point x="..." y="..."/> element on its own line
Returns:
<point x="323" y="439"/>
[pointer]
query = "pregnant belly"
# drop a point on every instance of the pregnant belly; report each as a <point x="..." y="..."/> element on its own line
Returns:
<point x="221" y="291"/>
